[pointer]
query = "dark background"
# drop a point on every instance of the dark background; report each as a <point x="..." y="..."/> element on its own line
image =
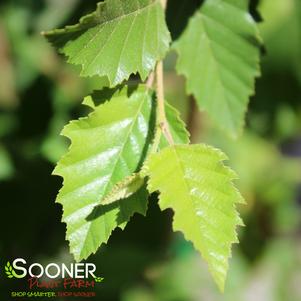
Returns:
<point x="39" y="93"/>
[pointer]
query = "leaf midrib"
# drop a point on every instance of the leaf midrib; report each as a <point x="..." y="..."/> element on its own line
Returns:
<point x="103" y="25"/>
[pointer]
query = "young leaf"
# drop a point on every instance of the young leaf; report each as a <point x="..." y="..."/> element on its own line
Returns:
<point x="219" y="56"/>
<point x="107" y="146"/>
<point x="120" y="38"/>
<point x="124" y="189"/>
<point x="176" y="125"/>
<point x="193" y="182"/>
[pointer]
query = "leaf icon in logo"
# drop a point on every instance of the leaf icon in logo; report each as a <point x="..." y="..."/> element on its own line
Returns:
<point x="9" y="270"/>
<point x="98" y="279"/>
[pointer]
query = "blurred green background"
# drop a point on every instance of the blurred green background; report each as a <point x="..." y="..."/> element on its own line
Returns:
<point x="40" y="93"/>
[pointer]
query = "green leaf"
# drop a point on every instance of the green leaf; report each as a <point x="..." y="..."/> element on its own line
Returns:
<point x="107" y="146"/>
<point x="131" y="184"/>
<point x="124" y="189"/>
<point x="219" y="55"/>
<point x="120" y="38"/>
<point x="176" y="125"/>
<point x="193" y="182"/>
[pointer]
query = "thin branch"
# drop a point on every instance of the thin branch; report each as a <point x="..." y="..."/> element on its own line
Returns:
<point x="163" y="124"/>
<point x="164" y="4"/>
<point x="150" y="81"/>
